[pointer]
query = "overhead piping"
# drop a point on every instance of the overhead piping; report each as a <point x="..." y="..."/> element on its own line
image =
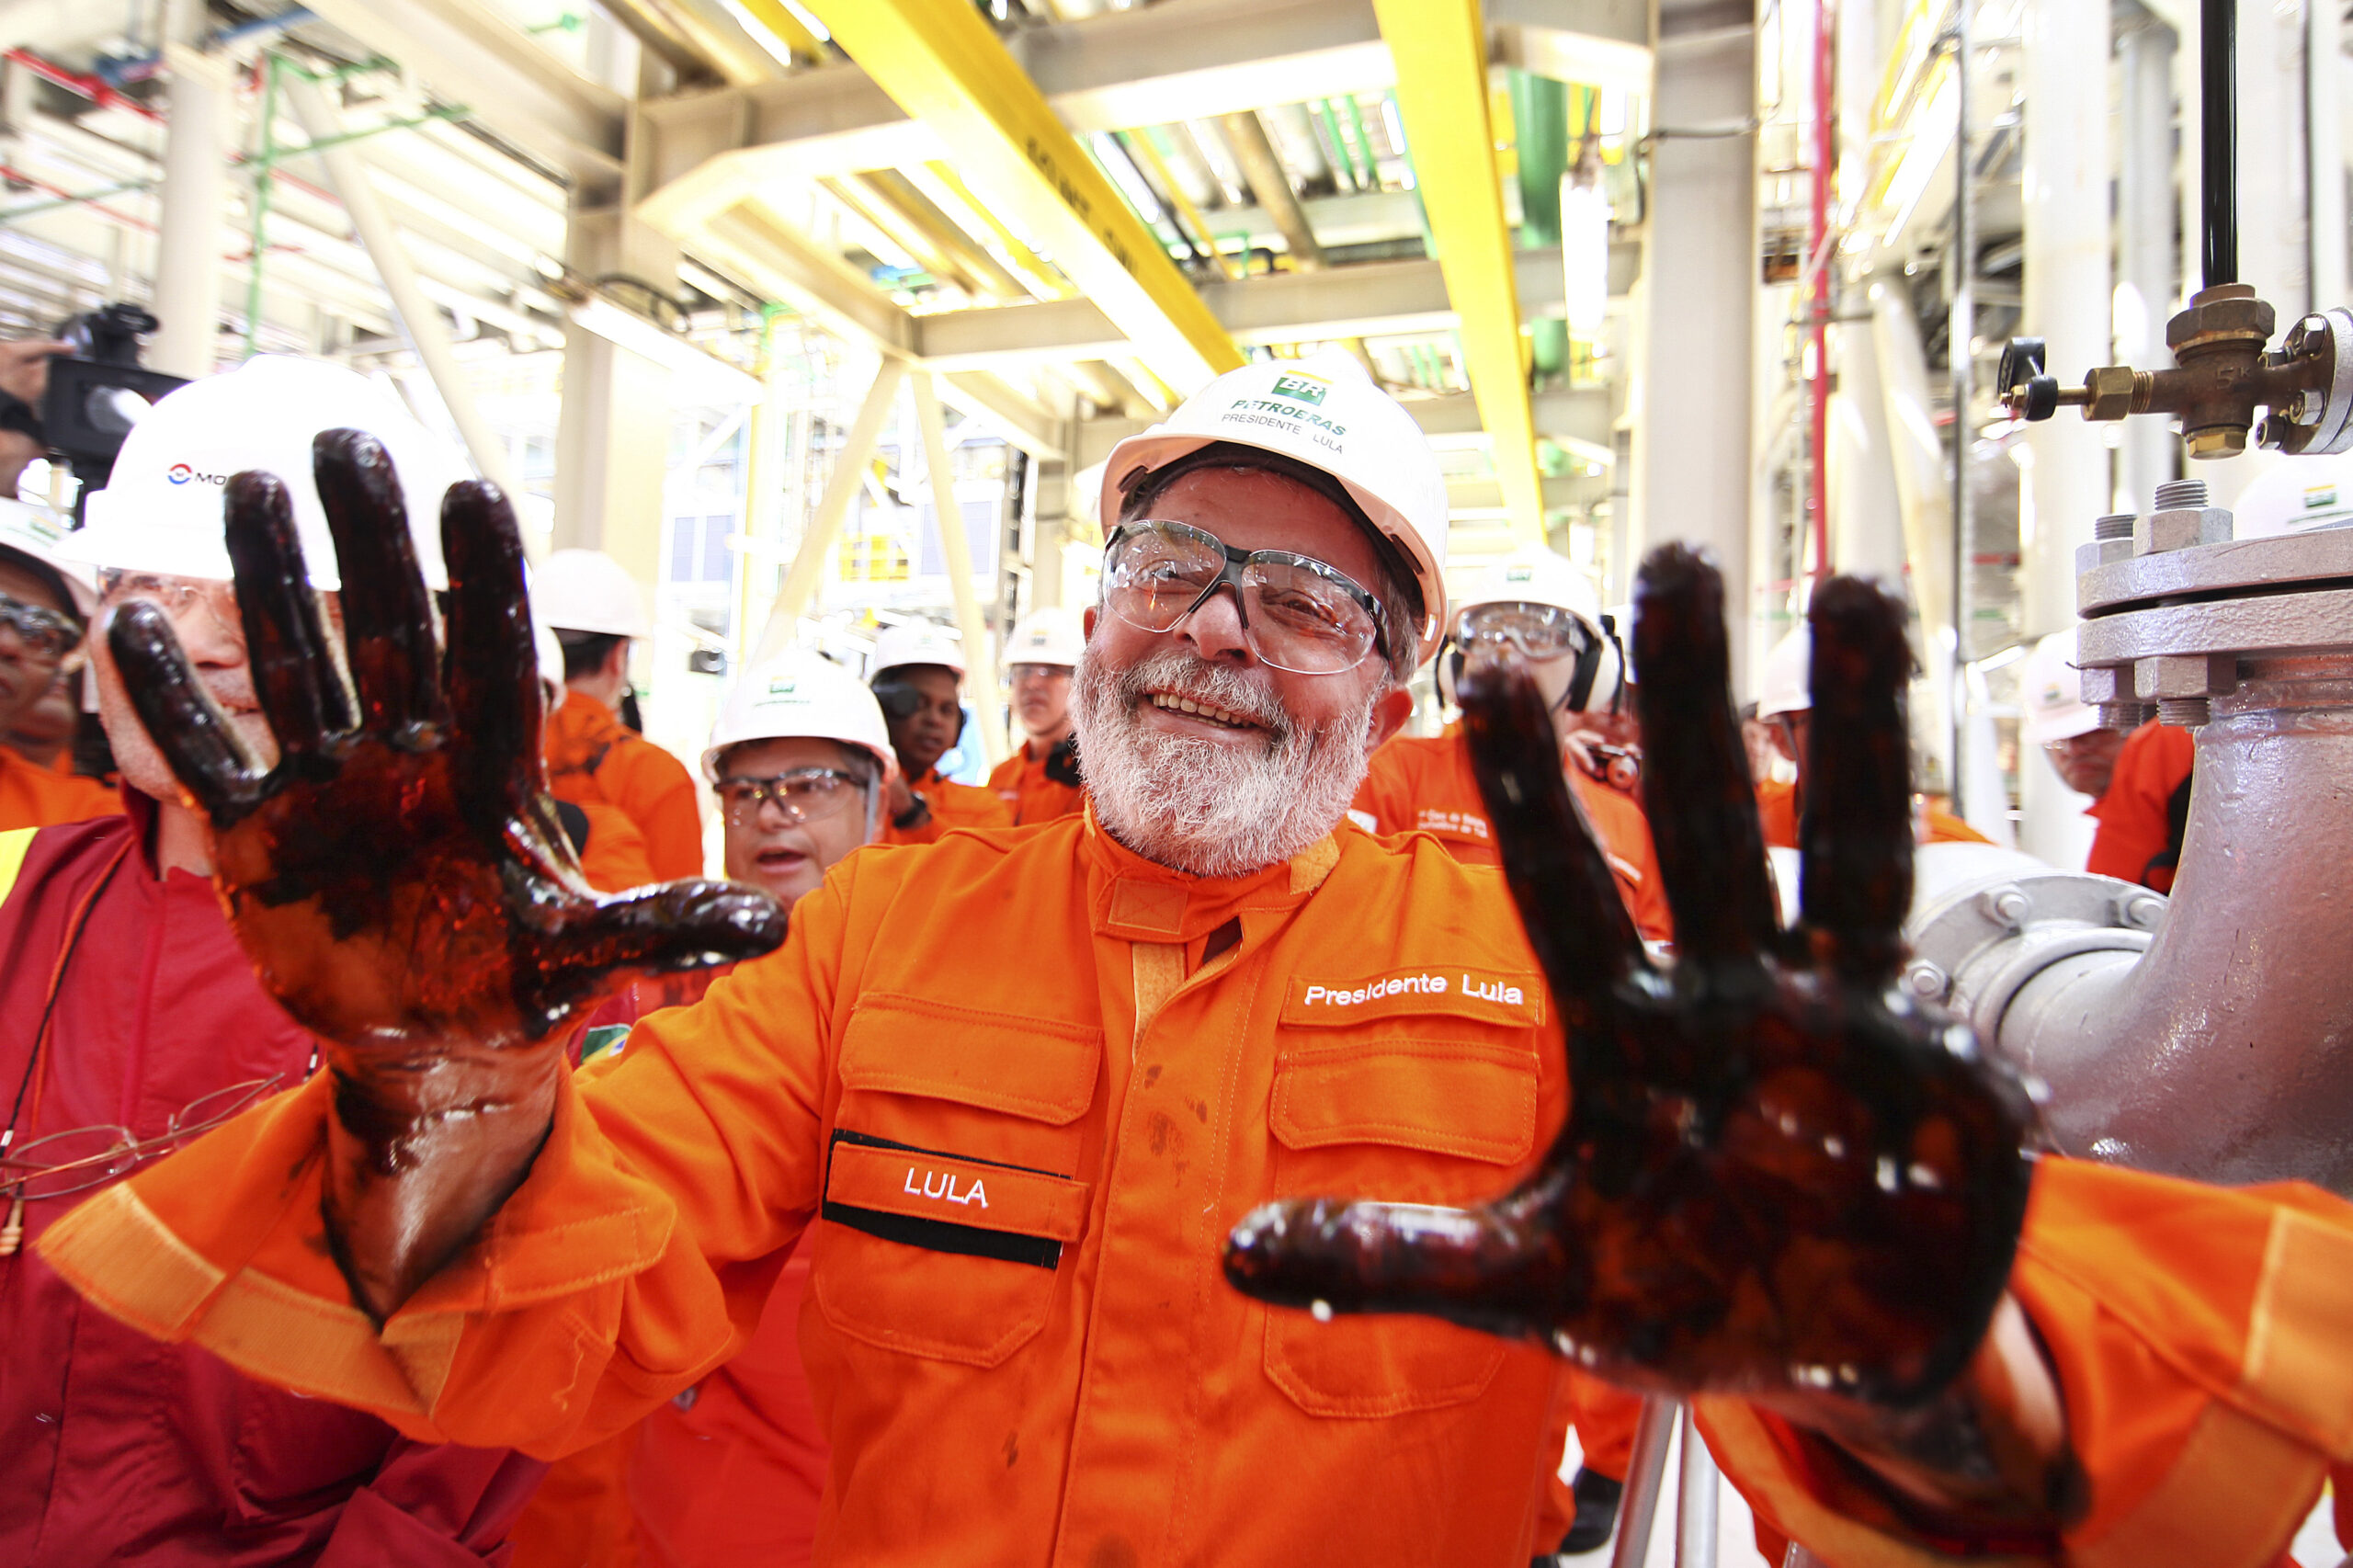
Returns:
<point x="1268" y="182"/>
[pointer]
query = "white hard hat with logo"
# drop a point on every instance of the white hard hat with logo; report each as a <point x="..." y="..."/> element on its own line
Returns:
<point x="1533" y="575"/>
<point x="1784" y="685"/>
<point x="800" y="695"/>
<point x="1051" y="636"/>
<point x="918" y="642"/>
<point x="1325" y="411"/>
<point x="2051" y="693"/>
<point x="2296" y="495"/>
<point x="36" y="534"/>
<point x="586" y="590"/>
<point x="161" y="508"/>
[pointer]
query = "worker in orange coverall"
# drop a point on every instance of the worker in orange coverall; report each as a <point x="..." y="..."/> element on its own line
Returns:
<point x="1040" y="782"/>
<point x="1018" y="1143"/>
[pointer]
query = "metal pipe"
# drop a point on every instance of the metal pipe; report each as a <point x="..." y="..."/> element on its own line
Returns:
<point x="1271" y="186"/>
<point x="1961" y="329"/>
<point x="1818" y="239"/>
<point x="1645" y="1483"/>
<point x="193" y="197"/>
<point x="1695" y="1500"/>
<point x="265" y="181"/>
<point x="2218" y="161"/>
<point x="956" y="555"/>
<point x="800" y="585"/>
<point x="1539" y="112"/>
<point x="420" y="320"/>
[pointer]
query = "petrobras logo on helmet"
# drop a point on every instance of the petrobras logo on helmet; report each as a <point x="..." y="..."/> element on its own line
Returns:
<point x="1519" y="573"/>
<point x="1288" y="417"/>
<point x="2320" y="497"/>
<point x="181" y="474"/>
<point x="1300" y="388"/>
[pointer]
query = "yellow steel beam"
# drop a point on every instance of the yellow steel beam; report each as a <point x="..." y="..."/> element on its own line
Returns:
<point x="779" y="20"/>
<point x="1440" y="49"/>
<point x="943" y="64"/>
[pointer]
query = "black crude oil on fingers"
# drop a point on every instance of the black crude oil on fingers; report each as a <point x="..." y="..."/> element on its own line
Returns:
<point x="1777" y="1175"/>
<point x="1710" y="847"/>
<point x="387" y="618"/>
<point x="492" y="669"/>
<point x="197" y="742"/>
<point x="1854" y="883"/>
<point x="295" y="680"/>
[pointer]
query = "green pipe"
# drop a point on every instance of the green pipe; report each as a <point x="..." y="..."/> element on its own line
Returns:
<point x="51" y="204"/>
<point x="1364" y="143"/>
<point x="271" y="160"/>
<point x="263" y="180"/>
<point x="1413" y="176"/>
<point x="1340" y="155"/>
<point x="1539" y="113"/>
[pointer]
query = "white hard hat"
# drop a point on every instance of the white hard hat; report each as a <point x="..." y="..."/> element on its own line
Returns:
<point x="161" y="509"/>
<point x="586" y="590"/>
<point x="918" y="642"/>
<point x="1053" y="636"/>
<point x="550" y="652"/>
<point x="1322" y="411"/>
<point x="1533" y="575"/>
<point x="2051" y="692"/>
<point x="2296" y="495"/>
<point x="800" y="695"/>
<point x="1783" y="686"/>
<point x="37" y="533"/>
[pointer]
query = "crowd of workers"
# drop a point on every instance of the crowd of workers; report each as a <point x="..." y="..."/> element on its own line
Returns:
<point x="902" y="1240"/>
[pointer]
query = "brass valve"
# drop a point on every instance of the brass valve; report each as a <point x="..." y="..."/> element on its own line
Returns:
<point x="2223" y="376"/>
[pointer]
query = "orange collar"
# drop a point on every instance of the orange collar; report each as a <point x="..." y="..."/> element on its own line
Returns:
<point x="1138" y="900"/>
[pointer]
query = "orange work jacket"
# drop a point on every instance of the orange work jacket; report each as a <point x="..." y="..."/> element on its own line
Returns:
<point x="1776" y="807"/>
<point x="2146" y="806"/>
<point x="593" y="758"/>
<point x="1016" y="1147"/>
<point x="615" y="859"/>
<point x="1021" y="783"/>
<point x="952" y="805"/>
<point x="34" y="796"/>
<point x="1424" y="784"/>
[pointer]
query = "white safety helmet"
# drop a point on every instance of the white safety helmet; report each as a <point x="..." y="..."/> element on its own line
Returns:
<point x="36" y="534"/>
<point x="586" y="590"/>
<point x="2296" y="495"/>
<point x="1532" y="574"/>
<point x="1322" y="411"/>
<point x="800" y="695"/>
<point x="549" y="654"/>
<point x="161" y="508"/>
<point x="1784" y="686"/>
<point x="2051" y="693"/>
<point x="1052" y="636"/>
<point x="918" y="642"/>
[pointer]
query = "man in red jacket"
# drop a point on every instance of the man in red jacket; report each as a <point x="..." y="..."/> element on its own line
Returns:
<point x="131" y="1022"/>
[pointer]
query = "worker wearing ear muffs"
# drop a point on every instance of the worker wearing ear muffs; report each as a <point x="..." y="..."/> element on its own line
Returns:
<point x="918" y="678"/>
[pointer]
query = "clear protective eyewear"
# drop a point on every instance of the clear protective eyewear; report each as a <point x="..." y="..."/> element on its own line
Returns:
<point x="61" y="1164"/>
<point x="1539" y="631"/>
<point x="1297" y="613"/>
<point x="48" y="636"/>
<point x="805" y="794"/>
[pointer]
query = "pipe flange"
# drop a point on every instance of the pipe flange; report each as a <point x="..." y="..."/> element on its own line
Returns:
<point x="2326" y="335"/>
<point x="1978" y="943"/>
<point x="2280" y="561"/>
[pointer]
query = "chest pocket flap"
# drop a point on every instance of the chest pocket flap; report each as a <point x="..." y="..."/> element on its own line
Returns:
<point x="1475" y="1099"/>
<point x="1038" y="1068"/>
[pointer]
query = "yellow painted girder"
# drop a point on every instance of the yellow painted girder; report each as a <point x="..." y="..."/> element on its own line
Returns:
<point x="943" y="64"/>
<point x="1440" y="50"/>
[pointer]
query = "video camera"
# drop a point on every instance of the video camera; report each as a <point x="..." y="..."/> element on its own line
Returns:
<point x="96" y="393"/>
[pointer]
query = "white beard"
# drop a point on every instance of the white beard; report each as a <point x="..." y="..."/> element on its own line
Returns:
<point x="1195" y="804"/>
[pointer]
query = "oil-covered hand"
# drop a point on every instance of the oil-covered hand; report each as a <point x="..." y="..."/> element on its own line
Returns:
<point x="1781" y="1175"/>
<point x="398" y="878"/>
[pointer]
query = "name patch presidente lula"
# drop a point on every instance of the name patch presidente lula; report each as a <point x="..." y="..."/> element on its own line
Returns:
<point x="1494" y="996"/>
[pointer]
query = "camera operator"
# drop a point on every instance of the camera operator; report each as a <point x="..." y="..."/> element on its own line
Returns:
<point x="24" y="381"/>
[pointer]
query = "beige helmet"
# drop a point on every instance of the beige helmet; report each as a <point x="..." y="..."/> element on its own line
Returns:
<point x="2051" y="693"/>
<point x="917" y="643"/>
<point x="1322" y="411"/>
<point x="1052" y="636"/>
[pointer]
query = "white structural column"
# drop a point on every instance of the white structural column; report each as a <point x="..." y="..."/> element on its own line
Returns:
<point x="2068" y="304"/>
<point x="956" y="555"/>
<point x="1917" y="459"/>
<point x="613" y="435"/>
<point x="798" y="590"/>
<point x="1866" y="508"/>
<point x="2144" y="249"/>
<point x="193" y="199"/>
<point x="420" y="318"/>
<point x="1692" y="429"/>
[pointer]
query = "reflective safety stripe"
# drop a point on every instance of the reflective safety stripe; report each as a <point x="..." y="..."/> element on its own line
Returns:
<point x="14" y="844"/>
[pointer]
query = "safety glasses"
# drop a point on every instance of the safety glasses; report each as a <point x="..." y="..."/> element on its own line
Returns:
<point x="48" y="636"/>
<point x="1297" y="613"/>
<point x="805" y="794"/>
<point x="1539" y="631"/>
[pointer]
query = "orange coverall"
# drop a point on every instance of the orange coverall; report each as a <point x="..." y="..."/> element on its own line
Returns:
<point x="952" y="805"/>
<point x="1776" y="805"/>
<point x="1016" y="1147"/>
<point x="614" y="858"/>
<point x="593" y="758"/>
<point x="1021" y="783"/>
<point x="1424" y="784"/>
<point x="2136" y="820"/>
<point x="32" y="796"/>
